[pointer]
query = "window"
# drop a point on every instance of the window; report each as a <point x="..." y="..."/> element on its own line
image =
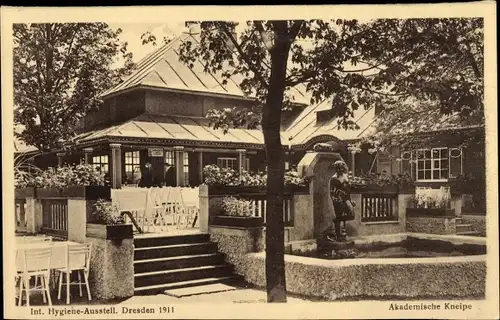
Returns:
<point x="101" y="163"/>
<point x="132" y="164"/>
<point x="231" y="163"/>
<point x="185" y="168"/>
<point x="432" y="164"/>
<point x="169" y="168"/>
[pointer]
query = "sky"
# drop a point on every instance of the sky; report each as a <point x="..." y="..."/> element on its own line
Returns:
<point x="131" y="33"/>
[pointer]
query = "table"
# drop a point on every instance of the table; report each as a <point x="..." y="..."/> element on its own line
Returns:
<point x="58" y="257"/>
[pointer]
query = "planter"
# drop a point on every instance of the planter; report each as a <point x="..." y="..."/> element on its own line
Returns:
<point x="430" y="212"/>
<point x="375" y="189"/>
<point x="238" y="222"/>
<point x="84" y="192"/>
<point x="23" y="193"/>
<point x="110" y="232"/>
<point x="249" y="190"/>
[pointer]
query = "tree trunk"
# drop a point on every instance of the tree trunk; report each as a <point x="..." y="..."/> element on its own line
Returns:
<point x="275" y="157"/>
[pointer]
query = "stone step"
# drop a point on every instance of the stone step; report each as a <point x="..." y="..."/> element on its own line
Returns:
<point x="197" y="290"/>
<point x="177" y="262"/>
<point x="160" y="288"/>
<point x="469" y="233"/>
<point x="174" y="250"/>
<point x="464" y="228"/>
<point x="159" y="241"/>
<point x="179" y="275"/>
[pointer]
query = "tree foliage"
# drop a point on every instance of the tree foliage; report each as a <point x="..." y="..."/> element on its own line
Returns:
<point x="435" y="64"/>
<point x="59" y="71"/>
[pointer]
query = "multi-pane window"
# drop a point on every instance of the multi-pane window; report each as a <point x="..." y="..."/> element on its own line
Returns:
<point x="432" y="164"/>
<point x="132" y="163"/>
<point x="231" y="163"/>
<point x="169" y="168"/>
<point x="185" y="167"/>
<point x="101" y="163"/>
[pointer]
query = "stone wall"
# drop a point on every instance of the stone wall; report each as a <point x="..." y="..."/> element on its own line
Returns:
<point x="432" y="225"/>
<point x="443" y="278"/>
<point x="111" y="268"/>
<point x="478" y="223"/>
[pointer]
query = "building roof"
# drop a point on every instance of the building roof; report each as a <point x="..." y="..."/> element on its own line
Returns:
<point x="306" y="126"/>
<point x="176" y="129"/>
<point x="21" y="147"/>
<point x="162" y="69"/>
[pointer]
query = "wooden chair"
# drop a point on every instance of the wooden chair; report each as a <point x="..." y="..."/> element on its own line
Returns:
<point x="36" y="264"/>
<point x="77" y="259"/>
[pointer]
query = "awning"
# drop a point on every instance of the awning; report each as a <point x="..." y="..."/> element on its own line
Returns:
<point x="177" y="129"/>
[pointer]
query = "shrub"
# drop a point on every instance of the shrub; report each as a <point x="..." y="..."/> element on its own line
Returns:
<point x="237" y="207"/>
<point x="216" y="176"/>
<point x="106" y="213"/>
<point x="79" y="175"/>
<point x="432" y="198"/>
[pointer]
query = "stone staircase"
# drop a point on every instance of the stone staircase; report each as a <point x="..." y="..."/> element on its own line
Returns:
<point x="171" y="263"/>
<point x="464" y="229"/>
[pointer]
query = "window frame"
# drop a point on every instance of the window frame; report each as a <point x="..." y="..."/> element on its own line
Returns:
<point x="135" y="155"/>
<point x="432" y="164"/>
<point x="220" y="160"/>
<point x="100" y="163"/>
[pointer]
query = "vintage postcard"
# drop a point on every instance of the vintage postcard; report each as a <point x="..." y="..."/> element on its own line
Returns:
<point x="300" y="162"/>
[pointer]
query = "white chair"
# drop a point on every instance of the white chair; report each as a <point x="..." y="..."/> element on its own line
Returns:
<point x="77" y="259"/>
<point x="36" y="264"/>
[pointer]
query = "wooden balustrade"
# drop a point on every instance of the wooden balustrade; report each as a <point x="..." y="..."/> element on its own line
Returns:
<point x="379" y="207"/>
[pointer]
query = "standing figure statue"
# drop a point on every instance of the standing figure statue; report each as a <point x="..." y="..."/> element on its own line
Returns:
<point x="341" y="198"/>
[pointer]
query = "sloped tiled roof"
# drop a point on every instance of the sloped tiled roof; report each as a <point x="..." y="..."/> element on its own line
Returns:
<point x="162" y="69"/>
<point x="305" y="127"/>
<point x="173" y="128"/>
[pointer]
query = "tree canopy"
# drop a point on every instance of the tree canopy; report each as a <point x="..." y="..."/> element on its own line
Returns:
<point x="352" y="64"/>
<point x="59" y="71"/>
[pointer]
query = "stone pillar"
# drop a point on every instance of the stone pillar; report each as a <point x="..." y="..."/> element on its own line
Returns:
<point x="60" y="159"/>
<point x="112" y="260"/>
<point x="116" y="166"/>
<point x="404" y="200"/>
<point x="200" y="166"/>
<point x="318" y="166"/>
<point x="88" y="155"/>
<point x="241" y="159"/>
<point x="179" y="165"/>
<point x="34" y="218"/>
<point x="203" y="215"/>
<point x="353" y="162"/>
<point x="77" y="220"/>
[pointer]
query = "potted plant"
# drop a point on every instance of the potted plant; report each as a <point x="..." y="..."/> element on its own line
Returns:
<point x="429" y="202"/>
<point x="107" y="223"/>
<point x="236" y="213"/>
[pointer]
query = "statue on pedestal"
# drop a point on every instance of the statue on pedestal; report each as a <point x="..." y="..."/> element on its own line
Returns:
<point x="341" y="199"/>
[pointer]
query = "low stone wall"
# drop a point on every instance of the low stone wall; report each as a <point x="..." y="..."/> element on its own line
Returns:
<point x="236" y="243"/>
<point x="478" y="223"/>
<point x="432" y="225"/>
<point x="111" y="268"/>
<point x="449" y="277"/>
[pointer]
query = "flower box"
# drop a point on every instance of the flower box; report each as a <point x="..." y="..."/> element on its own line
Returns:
<point x="23" y="193"/>
<point x="85" y="192"/>
<point x="238" y="222"/>
<point x="375" y="189"/>
<point x="430" y="212"/>
<point x="248" y="190"/>
<point x="110" y="232"/>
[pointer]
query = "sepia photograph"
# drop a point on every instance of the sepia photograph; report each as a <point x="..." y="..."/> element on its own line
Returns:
<point x="315" y="159"/>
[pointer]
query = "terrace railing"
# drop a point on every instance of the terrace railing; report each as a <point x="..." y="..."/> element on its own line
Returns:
<point x="379" y="207"/>
<point x="257" y="196"/>
<point x="55" y="217"/>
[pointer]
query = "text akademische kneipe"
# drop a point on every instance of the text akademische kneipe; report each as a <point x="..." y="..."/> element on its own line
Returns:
<point x="430" y="306"/>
